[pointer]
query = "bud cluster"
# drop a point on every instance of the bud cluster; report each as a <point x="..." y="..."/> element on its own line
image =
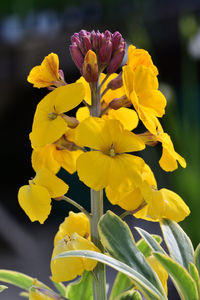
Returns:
<point x="108" y="47"/>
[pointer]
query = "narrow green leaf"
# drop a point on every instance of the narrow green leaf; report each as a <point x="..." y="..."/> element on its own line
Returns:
<point x="147" y="288"/>
<point x="197" y="258"/>
<point x="150" y="240"/>
<point x="61" y="288"/>
<point x="181" y="278"/>
<point x="121" y="284"/>
<point x="195" y="275"/>
<point x="118" y="240"/>
<point x="16" y="278"/>
<point x="2" y="288"/>
<point x="24" y="294"/>
<point x="129" y="295"/>
<point x="81" y="289"/>
<point x="178" y="243"/>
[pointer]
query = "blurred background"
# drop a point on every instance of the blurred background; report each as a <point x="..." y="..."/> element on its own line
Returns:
<point x="30" y="30"/>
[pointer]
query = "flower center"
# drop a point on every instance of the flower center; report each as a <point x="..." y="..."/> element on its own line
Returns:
<point x="112" y="151"/>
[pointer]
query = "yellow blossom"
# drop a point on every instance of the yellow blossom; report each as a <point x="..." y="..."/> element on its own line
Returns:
<point x="49" y="123"/>
<point x="170" y="157"/>
<point x="126" y="116"/>
<point x="68" y="268"/>
<point x="75" y="222"/>
<point x="47" y="73"/>
<point x="141" y="87"/>
<point x="35" y="198"/>
<point x="109" y="162"/>
<point x="62" y="153"/>
<point x="138" y="57"/>
<point x="161" y="272"/>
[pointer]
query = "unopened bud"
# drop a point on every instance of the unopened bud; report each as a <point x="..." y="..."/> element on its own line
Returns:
<point x="76" y="55"/>
<point x="116" y="40"/>
<point x="116" y="83"/>
<point x="105" y="53"/>
<point x="90" y="67"/>
<point x="116" y="60"/>
<point x="119" y="102"/>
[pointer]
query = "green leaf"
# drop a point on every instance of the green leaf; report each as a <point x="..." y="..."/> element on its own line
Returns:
<point x="129" y="295"/>
<point x="118" y="240"/>
<point x="16" y="278"/>
<point x="121" y="284"/>
<point x="178" y="243"/>
<point x="81" y="289"/>
<point x="195" y="275"/>
<point x="61" y="288"/>
<point x="148" y="289"/>
<point x="2" y="288"/>
<point x="197" y="258"/>
<point x="150" y="240"/>
<point x="181" y="278"/>
<point x="24" y="294"/>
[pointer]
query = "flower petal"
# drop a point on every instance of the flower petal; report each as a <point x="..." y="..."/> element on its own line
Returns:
<point x="35" y="201"/>
<point x="55" y="186"/>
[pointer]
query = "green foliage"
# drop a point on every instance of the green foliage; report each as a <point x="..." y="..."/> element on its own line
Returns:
<point x="2" y="288"/>
<point x="121" y="284"/>
<point x="81" y="289"/>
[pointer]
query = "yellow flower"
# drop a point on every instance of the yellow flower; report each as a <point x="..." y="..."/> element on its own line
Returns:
<point x="35" y="198"/>
<point x="65" y="269"/>
<point x="49" y="123"/>
<point x="39" y="291"/>
<point x="47" y="73"/>
<point x="62" y="153"/>
<point x="75" y="222"/>
<point x="128" y="194"/>
<point x="141" y="87"/>
<point x="138" y="57"/>
<point x="109" y="163"/>
<point x="126" y="116"/>
<point x="170" y="157"/>
<point x="161" y="272"/>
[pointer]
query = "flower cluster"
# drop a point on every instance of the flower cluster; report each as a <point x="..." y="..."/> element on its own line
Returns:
<point x="99" y="140"/>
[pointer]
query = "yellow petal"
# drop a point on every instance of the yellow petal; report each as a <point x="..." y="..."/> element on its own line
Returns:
<point x="45" y="74"/>
<point x="87" y="89"/>
<point x="35" y="201"/>
<point x="93" y="169"/>
<point x="128" y="80"/>
<point x="144" y="79"/>
<point x="127" y="117"/>
<point x="55" y="186"/>
<point x="45" y="158"/>
<point x="175" y="208"/>
<point x="75" y="222"/>
<point x="67" y="159"/>
<point x="155" y="101"/>
<point x="65" y="269"/>
<point x="82" y="113"/>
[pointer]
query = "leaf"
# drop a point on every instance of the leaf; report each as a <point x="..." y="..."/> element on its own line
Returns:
<point x="195" y="275"/>
<point x="197" y="258"/>
<point x="150" y="240"/>
<point x="16" y="278"/>
<point x="81" y="289"/>
<point x="61" y="288"/>
<point x="118" y="240"/>
<point x="181" y="278"/>
<point x="2" y="288"/>
<point x="129" y="295"/>
<point x="24" y="294"/>
<point x="121" y="284"/>
<point x="148" y="289"/>
<point x="178" y="243"/>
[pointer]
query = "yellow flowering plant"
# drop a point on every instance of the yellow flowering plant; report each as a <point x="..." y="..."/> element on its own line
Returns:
<point x="99" y="144"/>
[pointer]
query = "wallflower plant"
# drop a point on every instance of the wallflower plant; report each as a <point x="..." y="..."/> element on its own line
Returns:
<point x="101" y="143"/>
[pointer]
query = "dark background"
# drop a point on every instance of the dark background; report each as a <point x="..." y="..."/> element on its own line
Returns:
<point x="30" y="30"/>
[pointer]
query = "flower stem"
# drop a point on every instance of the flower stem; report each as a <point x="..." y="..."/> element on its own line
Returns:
<point x="74" y="203"/>
<point x="99" y="278"/>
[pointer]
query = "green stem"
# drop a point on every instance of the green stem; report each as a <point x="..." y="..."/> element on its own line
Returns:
<point x="99" y="278"/>
<point x="74" y="203"/>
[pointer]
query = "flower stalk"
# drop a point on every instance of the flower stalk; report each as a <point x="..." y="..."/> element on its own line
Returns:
<point x="99" y="279"/>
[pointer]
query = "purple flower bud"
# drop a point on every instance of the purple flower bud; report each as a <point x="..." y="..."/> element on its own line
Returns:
<point x="116" y="60"/>
<point x="116" y="39"/>
<point x="108" y="35"/>
<point x="116" y="83"/>
<point x="105" y="52"/>
<point x="76" y="55"/>
<point x="86" y="44"/>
